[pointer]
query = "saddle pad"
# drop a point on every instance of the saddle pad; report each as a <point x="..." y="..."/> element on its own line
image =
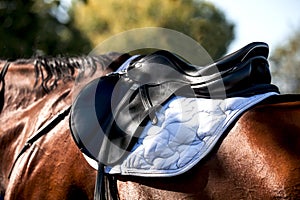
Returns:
<point x="187" y="130"/>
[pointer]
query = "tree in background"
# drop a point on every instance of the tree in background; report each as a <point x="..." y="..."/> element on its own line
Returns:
<point x="285" y="63"/>
<point x="54" y="27"/>
<point x="38" y="27"/>
<point x="197" y="19"/>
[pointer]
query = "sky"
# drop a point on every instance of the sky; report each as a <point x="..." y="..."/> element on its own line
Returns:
<point x="270" y="21"/>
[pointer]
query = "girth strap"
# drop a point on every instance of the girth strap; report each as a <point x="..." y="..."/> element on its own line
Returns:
<point x="98" y="195"/>
<point x="106" y="185"/>
<point x="42" y="131"/>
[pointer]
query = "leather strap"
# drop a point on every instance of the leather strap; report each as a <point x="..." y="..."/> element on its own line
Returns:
<point x="99" y="186"/>
<point x="146" y="101"/>
<point x="42" y="131"/>
<point x="2" y="84"/>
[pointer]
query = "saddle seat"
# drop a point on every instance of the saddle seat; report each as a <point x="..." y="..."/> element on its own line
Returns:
<point x="184" y="67"/>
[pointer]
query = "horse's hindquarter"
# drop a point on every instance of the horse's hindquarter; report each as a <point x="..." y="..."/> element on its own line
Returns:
<point x="258" y="159"/>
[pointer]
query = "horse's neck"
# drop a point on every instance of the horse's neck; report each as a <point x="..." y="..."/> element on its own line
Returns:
<point x="22" y="87"/>
<point x="22" y="124"/>
<point x="19" y="87"/>
<point x="26" y="108"/>
<point x="23" y="101"/>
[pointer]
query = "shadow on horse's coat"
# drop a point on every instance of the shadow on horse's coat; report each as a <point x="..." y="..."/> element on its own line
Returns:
<point x="259" y="157"/>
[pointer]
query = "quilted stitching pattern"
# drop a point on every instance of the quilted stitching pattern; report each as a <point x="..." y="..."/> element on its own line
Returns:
<point x="187" y="130"/>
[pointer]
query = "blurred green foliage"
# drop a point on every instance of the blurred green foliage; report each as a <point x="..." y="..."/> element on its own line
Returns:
<point x="285" y="65"/>
<point x="54" y="27"/>
<point x="199" y="20"/>
<point x="38" y="27"/>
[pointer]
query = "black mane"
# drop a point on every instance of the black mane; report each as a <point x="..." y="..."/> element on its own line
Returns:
<point x="49" y="70"/>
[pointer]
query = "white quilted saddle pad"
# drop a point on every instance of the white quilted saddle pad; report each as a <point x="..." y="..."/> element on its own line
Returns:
<point x="187" y="131"/>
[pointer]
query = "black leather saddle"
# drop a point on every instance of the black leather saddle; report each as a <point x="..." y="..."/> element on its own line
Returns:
<point x="122" y="103"/>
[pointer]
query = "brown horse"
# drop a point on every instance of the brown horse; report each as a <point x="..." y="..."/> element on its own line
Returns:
<point x="258" y="159"/>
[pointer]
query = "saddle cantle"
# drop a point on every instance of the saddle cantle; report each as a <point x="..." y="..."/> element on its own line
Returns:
<point x="124" y="102"/>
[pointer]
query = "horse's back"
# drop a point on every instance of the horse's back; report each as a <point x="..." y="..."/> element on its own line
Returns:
<point x="259" y="158"/>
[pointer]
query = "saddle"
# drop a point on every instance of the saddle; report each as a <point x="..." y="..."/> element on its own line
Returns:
<point x="122" y="103"/>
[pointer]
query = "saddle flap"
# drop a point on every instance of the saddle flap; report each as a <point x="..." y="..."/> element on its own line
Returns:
<point x="92" y="123"/>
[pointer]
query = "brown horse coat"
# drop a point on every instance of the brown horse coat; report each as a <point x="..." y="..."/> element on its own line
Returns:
<point x="258" y="159"/>
<point x="40" y="172"/>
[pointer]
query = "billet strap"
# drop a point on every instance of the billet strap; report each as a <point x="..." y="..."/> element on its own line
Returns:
<point x="42" y="131"/>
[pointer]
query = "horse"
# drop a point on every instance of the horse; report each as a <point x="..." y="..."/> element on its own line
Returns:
<point x="27" y="106"/>
<point x="259" y="157"/>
